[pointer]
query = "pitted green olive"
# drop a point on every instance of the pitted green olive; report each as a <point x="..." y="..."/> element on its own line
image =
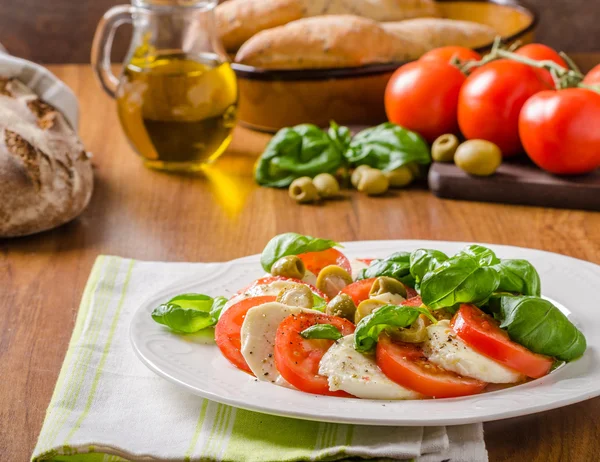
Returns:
<point x="290" y="267"/>
<point x="401" y="177"/>
<point x="373" y="182"/>
<point x="416" y="333"/>
<point x="327" y="185"/>
<point x="366" y="307"/>
<point x="444" y="147"/>
<point x="478" y="157"/>
<point x="357" y="173"/>
<point x="296" y="295"/>
<point x="387" y="285"/>
<point x="332" y="279"/>
<point x="343" y="306"/>
<point x="303" y="191"/>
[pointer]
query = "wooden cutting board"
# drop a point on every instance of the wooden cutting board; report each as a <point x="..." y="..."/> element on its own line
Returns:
<point x="517" y="182"/>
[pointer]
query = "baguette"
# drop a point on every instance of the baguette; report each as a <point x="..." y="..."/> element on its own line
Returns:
<point x="437" y="32"/>
<point x="325" y="41"/>
<point x="238" y="20"/>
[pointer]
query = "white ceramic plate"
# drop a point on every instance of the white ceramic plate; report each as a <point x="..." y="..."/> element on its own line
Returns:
<point x="195" y="363"/>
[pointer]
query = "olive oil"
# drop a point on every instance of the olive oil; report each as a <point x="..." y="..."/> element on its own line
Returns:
<point x="178" y="110"/>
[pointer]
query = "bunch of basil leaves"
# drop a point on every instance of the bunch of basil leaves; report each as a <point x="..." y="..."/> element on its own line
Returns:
<point x="306" y="150"/>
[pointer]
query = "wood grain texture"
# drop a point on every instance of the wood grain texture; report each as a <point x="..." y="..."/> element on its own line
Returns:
<point x="61" y="31"/>
<point x="148" y="215"/>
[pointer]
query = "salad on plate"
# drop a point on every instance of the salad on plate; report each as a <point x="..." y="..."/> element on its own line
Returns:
<point x="414" y="325"/>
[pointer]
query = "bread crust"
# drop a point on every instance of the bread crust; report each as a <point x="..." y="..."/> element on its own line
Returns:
<point x="46" y="175"/>
<point x="239" y="20"/>
<point x="323" y="42"/>
<point x="438" y="32"/>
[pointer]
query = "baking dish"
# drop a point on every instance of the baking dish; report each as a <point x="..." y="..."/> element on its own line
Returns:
<point x="271" y="99"/>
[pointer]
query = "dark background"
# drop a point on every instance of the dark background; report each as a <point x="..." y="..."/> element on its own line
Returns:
<point x="61" y="31"/>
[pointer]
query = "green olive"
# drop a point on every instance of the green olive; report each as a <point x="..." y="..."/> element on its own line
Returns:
<point x="327" y="185"/>
<point x="303" y="191"/>
<point x="342" y="306"/>
<point x="366" y="307"/>
<point x="444" y="147"/>
<point x="401" y="177"/>
<point x="478" y="157"/>
<point x="373" y="182"/>
<point x="290" y="267"/>
<point x="296" y="295"/>
<point x="416" y="333"/>
<point x="387" y="285"/>
<point x="332" y="279"/>
<point x="357" y="173"/>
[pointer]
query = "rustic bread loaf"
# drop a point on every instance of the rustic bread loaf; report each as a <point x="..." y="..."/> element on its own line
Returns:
<point x="325" y="41"/>
<point x="438" y="32"/>
<point x="238" y="20"/>
<point x="45" y="174"/>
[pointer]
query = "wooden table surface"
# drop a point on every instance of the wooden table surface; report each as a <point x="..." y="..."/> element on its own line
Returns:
<point x="143" y="214"/>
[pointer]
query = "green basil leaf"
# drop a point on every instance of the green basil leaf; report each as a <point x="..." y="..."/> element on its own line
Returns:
<point x="461" y="279"/>
<point x="368" y="329"/>
<point x="189" y="313"/>
<point x="422" y="261"/>
<point x="518" y="276"/>
<point x="482" y="255"/>
<point x="395" y="266"/>
<point x="340" y="136"/>
<point x="322" y="331"/>
<point x="539" y="326"/>
<point x="319" y="303"/>
<point x="387" y="147"/>
<point x="291" y="244"/>
<point x="303" y="150"/>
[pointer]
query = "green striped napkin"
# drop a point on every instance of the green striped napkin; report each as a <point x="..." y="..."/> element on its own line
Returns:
<point x="108" y="407"/>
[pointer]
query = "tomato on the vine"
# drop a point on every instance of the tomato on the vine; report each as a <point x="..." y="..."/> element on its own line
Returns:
<point x="423" y="96"/>
<point x="559" y="130"/>
<point x="593" y="77"/>
<point x="490" y="101"/>
<point x="448" y="53"/>
<point x="541" y="52"/>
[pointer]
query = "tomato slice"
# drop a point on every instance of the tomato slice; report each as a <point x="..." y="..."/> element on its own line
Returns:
<point x="366" y="261"/>
<point x="227" y="330"/>
<point x="405" y="364"/>
<point x="269" y="279"/>
<point x="359" y="290"/>
<point x="482" y="333"/>
<point x="297" y="359"/>
<point x="316" y="261"/>
<point x="415" y="300"/>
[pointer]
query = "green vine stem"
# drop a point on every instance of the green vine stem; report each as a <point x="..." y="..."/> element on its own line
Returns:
<point x="570" y="77"/>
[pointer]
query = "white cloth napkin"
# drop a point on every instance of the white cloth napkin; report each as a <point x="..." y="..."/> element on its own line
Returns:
<point x="107" y="406"/>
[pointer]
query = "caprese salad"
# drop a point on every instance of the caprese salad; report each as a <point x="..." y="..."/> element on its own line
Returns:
<point x="414" y="325"/>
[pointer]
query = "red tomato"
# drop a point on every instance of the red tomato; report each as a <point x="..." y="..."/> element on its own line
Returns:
<point x="359" y="290"/>
<point x="414" y="300"/>
<point x="483" y="334"/>
<point x="405" y="364"/>
<point x="227" y="330"/>
<point x="422" y="96"/>
<point x="297" y="359"/>
<point x="269" y="279"/>
<point x="490" y="102"/>
<point x="541" y="52"/>
<point x="448" y="53"/>
<point x="560" y="130"/>
<point x="316" y="261"/>
<point x="593" y="77"/>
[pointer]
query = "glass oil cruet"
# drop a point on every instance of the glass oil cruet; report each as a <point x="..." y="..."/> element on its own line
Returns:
<point x="177" y="94"/>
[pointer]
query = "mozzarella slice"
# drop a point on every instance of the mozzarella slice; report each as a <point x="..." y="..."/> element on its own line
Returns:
<point x="358" y="374"/>
<point x="258" y="338"/>
<point x="446" y="350"/>
<point x="357" y="266"/>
